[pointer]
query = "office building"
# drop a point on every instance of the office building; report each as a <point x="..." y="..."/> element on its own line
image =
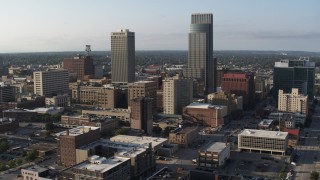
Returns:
<point x="240" y="84"/>
<point x="177" y="93"/>
<point x="213" y="156"/>
<point x="201" y="64"/>
<point x="262" y="141"/>
<point x="141" y="114"/>
<point x="206" y="114"/>
<point x="71" y="139"/>
<point x="122" y="114"/>
<point x="7" y="93"/>
<point x="184" y="137"/>
<point x="288" y="74"/>
<point x="146" y="89"/>
<point x="123" y="56"/>
<point x="292" y="102"/>
<point x="51" y="82"/>
<point x="81" y="66"/>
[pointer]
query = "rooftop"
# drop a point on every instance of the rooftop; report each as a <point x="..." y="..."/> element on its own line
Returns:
<point x="155" y="141"/>
<point x="101" y="164"/>
<point x="36" y="168"/>
<point x="77" y="131"/>
<point x="266" y="122"/>
<point x="205" y="106"/>
<point x="215" y="147"/>
<point x="263" y="133"/>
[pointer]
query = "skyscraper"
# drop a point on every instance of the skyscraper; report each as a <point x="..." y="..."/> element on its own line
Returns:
<point x="123" y="56"/>
<point x="201" y="65"/>
<point x="79" y="65"/>
<point x="288" y="74"/>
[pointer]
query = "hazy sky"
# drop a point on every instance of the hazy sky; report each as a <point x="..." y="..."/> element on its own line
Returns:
<point x="67" y="25"/>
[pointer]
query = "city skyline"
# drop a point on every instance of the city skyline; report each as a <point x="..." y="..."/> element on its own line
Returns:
<point x="33" y="26"/>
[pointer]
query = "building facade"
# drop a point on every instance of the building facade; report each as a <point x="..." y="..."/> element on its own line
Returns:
<point x="206" y="114"/>
<point x="292" y="102"/>
<point x="288" y="74"/>
<point x="213" y="156"/>
<point x="52" y="82"/>
<point x="7" y="93"/>
<point x="240" y="84"/>
<point x="147" y="89"/>
<point x="123" y="56"/>
<point x="184" y="137"/>
<point x="79" y="65"/>
<point x="232" y="101"/>
<point x="273" y="142"/>
<point x="71" y="139"/>
<point x="201" y="64"/>
<point x="177" y="93"/>
<point x="58" y="101"/>
<point x="141" y="114"/>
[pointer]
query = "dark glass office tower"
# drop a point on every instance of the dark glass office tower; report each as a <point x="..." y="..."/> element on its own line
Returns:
<point x="201" y="65"/>
<point x="288" y="74"/>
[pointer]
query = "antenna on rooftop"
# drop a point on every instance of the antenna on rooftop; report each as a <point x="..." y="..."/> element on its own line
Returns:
<point x="88" y="50"/>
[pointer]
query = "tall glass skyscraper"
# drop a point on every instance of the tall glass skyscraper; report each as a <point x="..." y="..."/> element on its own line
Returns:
<point x="123" y="56"/>
<point x="201" y="65"/>
<point x="288" y="74"/>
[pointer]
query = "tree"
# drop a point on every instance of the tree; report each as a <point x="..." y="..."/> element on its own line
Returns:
<point x="19" y="161"/>
<point x="314" y="175"/>
<point x="156" y="129"/>
<point x="4" y="145"/>
<point x="49" y="126"/>
<point x="166" y="131"/>
<point x="12" y="163"/>
<point x="2" y="167"/>
<point x="32" y="155"/>
<point x="121" y="131"/>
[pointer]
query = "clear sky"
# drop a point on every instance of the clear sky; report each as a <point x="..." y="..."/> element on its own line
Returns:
<point x="67" y="25"/>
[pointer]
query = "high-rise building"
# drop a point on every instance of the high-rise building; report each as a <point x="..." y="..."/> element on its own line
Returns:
<point x="7" y="93"/>
<point x="141" y="114"/>
<point x="292" y="102"/>
<point x="177" y="93"/>
<point x="123" y="56"/>
<point x="288" y="74"/>
<point x="51" y="82"/>
<point x="79" y="65"/>
<point x="201" y="64"/>
<point x="240" y="84"/>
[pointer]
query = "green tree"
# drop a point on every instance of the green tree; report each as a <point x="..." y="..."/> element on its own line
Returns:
<point x="166" y="131"/>
<point x="2" y="167"/>
<point x="314" y="175"/>
<point x="31" y="156"/>
<point x="19" y="161"/>
<point x="49" y="126"/>
<point x="4" y="145"/>
<point x="121" y="131"/>
<point x="156" y="129"/>
<point x="12" y="163"/>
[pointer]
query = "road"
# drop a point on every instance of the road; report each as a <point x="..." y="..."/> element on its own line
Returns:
<point x="309" y="152"/>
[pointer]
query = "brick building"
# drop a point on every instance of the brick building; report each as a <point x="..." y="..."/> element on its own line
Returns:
<point x="79" y="65"/>
<point x="141" y="114"/>
<point x="71" y="139"/>
<point x="240" y="84"/>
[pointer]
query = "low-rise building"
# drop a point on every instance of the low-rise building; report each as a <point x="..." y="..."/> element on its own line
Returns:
<point x="58" y="101"/>
<point x="290" y="119"/>
<point x="8" y="124"/>
<point x="213" y="156"/>
<point x="266" y="124"/>
<point x="273" y="142"/>
<point x="207" y="114"/>
<point x="122" y="114"/>
<point x="113" y="168"/>
<point x="35" y="172"/>
<point x="183" y="136"/>
<point x="106" y="124"/>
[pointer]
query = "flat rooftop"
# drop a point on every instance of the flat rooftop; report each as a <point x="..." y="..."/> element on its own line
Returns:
<point x="205" y="106"/>
<point x="155" y="141"/>
<point x="266" y="122"/>
<point x="36" y="168"/>
<point x="263" y="133"/>
<point x="101" y="164"/>
<point x="215" y="147"/>
<point x="123" y="149"/>
<point x="77" y="131"/>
